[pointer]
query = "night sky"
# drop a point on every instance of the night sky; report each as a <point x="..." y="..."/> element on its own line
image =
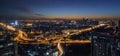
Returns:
<point x="60" y="7"/>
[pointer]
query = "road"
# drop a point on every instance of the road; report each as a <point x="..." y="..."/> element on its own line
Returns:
<point x="22" y="37"/>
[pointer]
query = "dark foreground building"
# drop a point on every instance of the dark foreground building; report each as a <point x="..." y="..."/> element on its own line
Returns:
<point x="6" y="45"/>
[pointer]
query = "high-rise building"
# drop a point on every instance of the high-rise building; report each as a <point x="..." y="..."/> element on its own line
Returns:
<point x="6" y="45"/>
<point x="104" y="45"/>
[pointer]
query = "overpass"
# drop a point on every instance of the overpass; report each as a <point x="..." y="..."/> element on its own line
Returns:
<point x="23" y="38"/>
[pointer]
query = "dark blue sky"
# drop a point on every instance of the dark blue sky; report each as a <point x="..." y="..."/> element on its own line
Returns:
<point x="60" y="7"/>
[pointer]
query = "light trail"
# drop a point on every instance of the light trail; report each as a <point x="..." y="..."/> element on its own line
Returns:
<point x="60" y="48"/>
<point x="8" y="27"/>
<point x="21" y="34"/>
<point x="22" y="37"/>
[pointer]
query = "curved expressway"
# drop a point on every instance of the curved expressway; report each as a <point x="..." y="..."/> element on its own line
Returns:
<point x="60" y="48"/>
<point x="22" y="36"/>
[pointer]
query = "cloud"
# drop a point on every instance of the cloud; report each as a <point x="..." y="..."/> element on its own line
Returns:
<point x="25" y="9"/>
<point x="39" y="14"/>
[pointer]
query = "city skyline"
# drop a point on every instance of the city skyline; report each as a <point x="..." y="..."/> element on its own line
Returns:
<point x="59" y="28"/>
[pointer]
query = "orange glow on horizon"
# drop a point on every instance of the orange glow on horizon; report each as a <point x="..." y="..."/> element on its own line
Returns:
<point x="73" y="17"/>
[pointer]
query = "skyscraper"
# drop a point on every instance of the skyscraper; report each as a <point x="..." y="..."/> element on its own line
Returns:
<point x="6" y="45"/>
